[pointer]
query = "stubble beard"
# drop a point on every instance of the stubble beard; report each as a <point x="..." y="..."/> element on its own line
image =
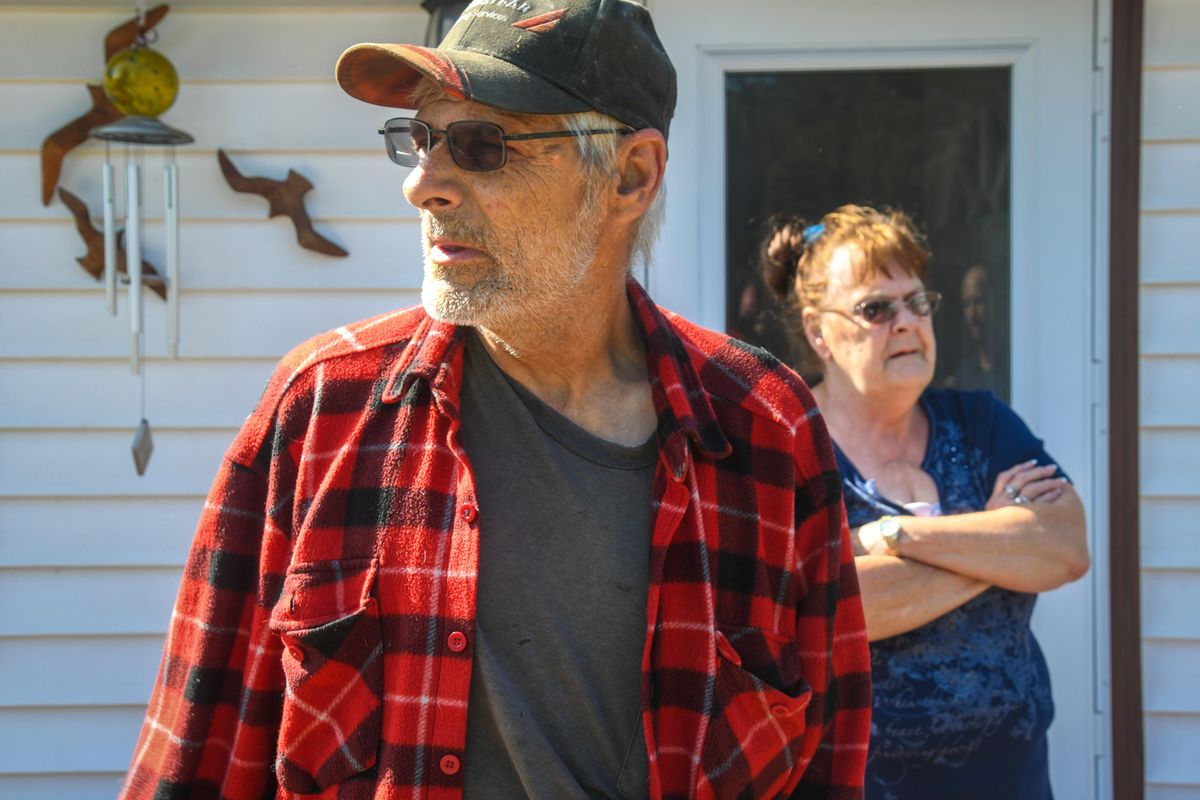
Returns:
<point x="526" y="282"/>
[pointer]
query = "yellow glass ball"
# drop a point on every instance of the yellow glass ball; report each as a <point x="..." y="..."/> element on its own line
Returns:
<point x="140" y="80"/>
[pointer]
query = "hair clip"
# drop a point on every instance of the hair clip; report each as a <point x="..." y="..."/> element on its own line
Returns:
<point x="812" y="233"/>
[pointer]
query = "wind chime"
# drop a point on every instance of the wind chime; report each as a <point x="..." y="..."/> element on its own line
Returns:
<point x="142" y="84"/>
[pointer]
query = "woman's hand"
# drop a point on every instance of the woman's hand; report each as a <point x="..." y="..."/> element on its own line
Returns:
<point x="1026" y="483"/>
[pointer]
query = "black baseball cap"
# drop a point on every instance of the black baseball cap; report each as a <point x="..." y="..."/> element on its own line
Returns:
<point x="531" y="57"/>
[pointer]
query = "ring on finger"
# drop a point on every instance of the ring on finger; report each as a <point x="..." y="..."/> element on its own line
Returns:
<point x="1020" y="499"/>
<point x="1011" y="491"/>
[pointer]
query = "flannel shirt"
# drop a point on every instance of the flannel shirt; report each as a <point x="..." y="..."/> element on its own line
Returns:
<point x="321" y="642"/>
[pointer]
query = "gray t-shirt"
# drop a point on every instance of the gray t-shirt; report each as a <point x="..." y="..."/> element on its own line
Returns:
<point x="564" y="554"/>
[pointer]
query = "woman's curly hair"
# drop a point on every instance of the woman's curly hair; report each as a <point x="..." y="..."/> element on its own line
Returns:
<point x="795" y="256"/>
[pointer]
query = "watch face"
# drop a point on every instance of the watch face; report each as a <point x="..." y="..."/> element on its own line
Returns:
<point x="889" y="531"/>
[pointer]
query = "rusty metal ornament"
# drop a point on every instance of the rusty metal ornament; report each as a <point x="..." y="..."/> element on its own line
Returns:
<point x="284" y="198"/>
<point x="57" y="145"/>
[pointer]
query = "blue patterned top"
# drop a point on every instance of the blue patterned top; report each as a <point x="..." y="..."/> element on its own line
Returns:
<point x="961" y="704"/>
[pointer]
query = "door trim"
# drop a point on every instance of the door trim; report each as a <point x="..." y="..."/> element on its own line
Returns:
<point x="1022" y="56"/>
<point x="1124" y="488"/>
<point x="717" y="60"/>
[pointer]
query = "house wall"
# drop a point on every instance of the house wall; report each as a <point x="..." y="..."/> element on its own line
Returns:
<point x="1170" y="387"/>
<point x="91" y="554"/>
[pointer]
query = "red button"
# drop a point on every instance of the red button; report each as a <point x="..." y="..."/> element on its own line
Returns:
<point x="450" y="765"/>
<point x="468" y="513"/>
<point x="780" y="710"/>
<point x="457" y="641"/>
<point x="296" y="650"/>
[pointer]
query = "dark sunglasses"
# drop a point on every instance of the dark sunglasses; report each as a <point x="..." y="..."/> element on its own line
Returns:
<point x="474" y="145"/>
<point x="881" y="312"/>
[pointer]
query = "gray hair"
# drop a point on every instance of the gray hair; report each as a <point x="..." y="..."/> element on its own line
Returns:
<point x="598" y="155"/>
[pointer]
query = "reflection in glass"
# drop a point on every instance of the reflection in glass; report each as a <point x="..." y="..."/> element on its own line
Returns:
<point x="933" y="142"/>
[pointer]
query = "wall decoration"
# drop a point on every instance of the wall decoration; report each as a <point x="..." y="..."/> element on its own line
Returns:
<point x="56" y="146"/>
<point x="93" y="262"/>
<point x="142" y="83"/>
<point x="126" y="34"/>
<point x="285" y="198"/>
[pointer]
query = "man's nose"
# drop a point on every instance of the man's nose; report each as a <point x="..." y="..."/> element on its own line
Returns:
<point x="434" y="184"/>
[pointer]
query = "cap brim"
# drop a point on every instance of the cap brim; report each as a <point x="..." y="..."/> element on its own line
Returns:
<point x="387" y="74"/>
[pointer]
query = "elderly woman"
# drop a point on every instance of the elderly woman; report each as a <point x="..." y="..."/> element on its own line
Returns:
<point x="960" y="517"/>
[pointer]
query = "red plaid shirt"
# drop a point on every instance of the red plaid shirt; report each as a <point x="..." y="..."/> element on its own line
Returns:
<point x="321" y="643"/>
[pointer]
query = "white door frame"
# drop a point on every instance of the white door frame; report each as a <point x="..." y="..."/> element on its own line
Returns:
<point x="1054" y="207"/>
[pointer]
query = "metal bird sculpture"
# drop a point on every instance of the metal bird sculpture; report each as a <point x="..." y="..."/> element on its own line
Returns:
<point x="74" y="133"/>
<point x="93" y="262"/>
<point x="285" y="198"/>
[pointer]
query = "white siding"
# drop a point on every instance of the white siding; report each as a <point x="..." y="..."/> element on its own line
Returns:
<point x="1170" y="386"/>
<point x="91" y="554"/>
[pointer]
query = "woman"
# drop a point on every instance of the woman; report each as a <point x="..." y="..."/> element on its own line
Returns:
<point x="960" y="517"/>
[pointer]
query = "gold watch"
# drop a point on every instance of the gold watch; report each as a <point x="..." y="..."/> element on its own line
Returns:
<point x="889" y="531"/>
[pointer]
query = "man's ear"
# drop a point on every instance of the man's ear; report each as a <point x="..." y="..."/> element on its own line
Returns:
<point x="641" y="164"/>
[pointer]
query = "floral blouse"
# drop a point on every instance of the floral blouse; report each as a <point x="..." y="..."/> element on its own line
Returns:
<point x="961" y="704"/>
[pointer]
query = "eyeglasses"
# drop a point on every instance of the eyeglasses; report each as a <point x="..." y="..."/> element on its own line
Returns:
<point x="880" y="311"/>
<point x="475" y="146"/>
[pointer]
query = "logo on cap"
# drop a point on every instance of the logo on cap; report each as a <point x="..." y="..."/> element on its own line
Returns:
<point x="542" y="22"/>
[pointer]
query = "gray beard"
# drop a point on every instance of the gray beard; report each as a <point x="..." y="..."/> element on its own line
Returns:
<point x="512" y="297"/>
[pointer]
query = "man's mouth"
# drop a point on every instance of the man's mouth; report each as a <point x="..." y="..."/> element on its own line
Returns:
<point x="448" y="253"/>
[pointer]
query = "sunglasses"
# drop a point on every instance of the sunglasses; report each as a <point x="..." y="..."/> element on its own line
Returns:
<point x="881" y="312"/>
<point x="474" y="145"/>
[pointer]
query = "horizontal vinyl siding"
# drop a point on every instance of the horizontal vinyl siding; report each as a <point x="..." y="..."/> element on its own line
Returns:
<point x="81" y="786"/>
<point x="1169" y="387"/>
<point x="1170" y="246"/>
<point x="91" y="554"/>
<point x="81" y="531"/>
<point x="43" y="671"/>
<point x="1170" y="678"/>
<point x="1166" y="792"/>
<point x="1170" y="598"/>
<point x="213" y="324"/>
<point x="1165" y="525"/>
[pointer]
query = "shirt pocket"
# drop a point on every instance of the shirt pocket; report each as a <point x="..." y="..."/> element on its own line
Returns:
<point x="758" y="722"/>
<point x="328" y="622"/>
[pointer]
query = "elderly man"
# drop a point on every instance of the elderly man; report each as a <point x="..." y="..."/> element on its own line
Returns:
<point x="537" y="538"/>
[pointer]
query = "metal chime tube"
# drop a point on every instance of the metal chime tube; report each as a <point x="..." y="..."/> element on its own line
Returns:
<point x="110" y="238"/>
<point x="171" y="195"/>
<point x="133" y="259"/>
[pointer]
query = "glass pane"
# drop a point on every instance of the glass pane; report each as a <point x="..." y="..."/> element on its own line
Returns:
<point x="932" y="142"/>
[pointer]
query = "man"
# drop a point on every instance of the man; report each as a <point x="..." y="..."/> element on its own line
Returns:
<point x="538" y="538"/>
<point x="977" y="368"/>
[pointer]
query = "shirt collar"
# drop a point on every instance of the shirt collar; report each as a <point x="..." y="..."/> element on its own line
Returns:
<point x="680" y="399"/>
<point x="431" y="355"/>
<point x="434" y="354"/>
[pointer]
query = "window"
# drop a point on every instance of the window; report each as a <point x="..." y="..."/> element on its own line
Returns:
<point x="932" y="142"/>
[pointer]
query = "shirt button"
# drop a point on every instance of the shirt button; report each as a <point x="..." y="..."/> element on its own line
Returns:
<point x="296" y="650"/>
<point x="450" y="765"/>
<point x="780" y="710"/>
<point x="468" y="513"/>
<point x="457" y="642"/>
